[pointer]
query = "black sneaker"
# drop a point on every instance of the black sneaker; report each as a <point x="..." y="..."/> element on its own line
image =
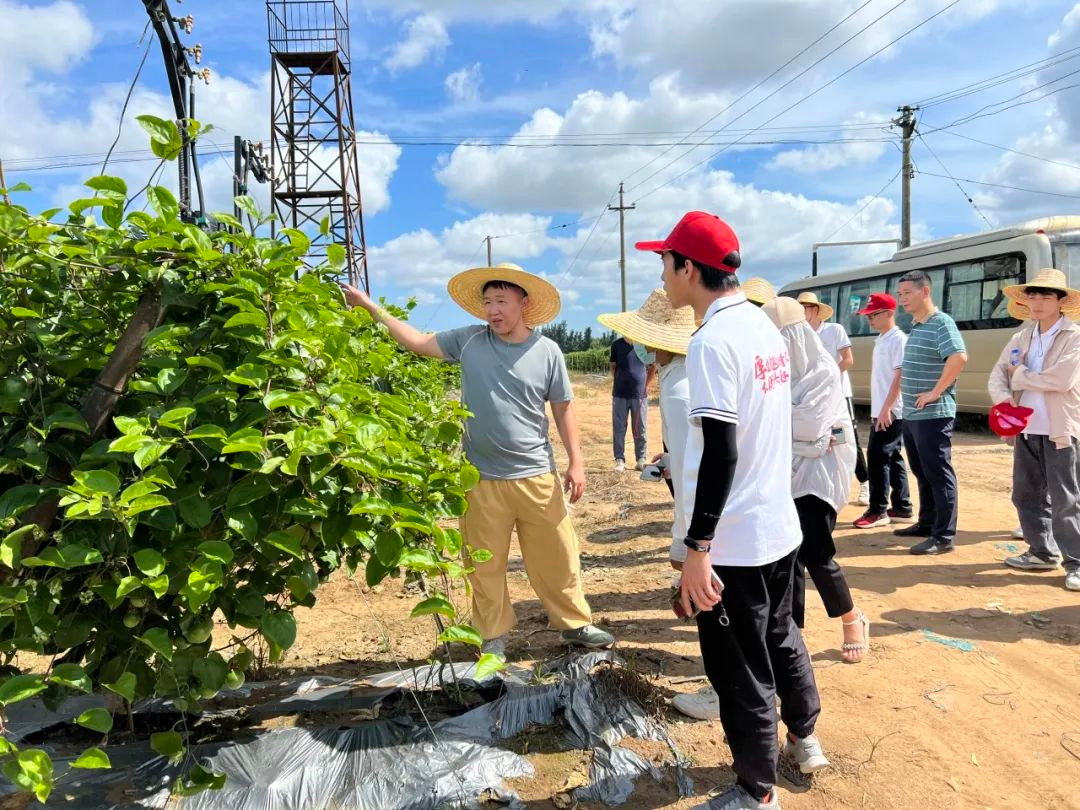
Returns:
<point x="932" y="546"/>
<point x="905" y="515"/>
<point x="914" y="530"/>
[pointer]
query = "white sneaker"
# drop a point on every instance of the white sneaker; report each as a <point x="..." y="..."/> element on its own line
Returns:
<point x="620" y="465"/>
<point x="1072" y="581"/>
<point x="807" y="752"/>
<point x="1018" y="533"/>
<point x="701" y="705"/>
<point x="864" y="495"/>
<point x="735" y="798"/>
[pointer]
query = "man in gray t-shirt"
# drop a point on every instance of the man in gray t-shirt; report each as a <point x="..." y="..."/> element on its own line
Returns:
<point x="508" y="376"/>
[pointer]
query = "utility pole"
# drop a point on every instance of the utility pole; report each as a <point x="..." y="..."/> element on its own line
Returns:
<point x="3" y="184"/>
<point x="622" y="240"/>
<point x="906" y="122"/>
<point x="488" y="240"/>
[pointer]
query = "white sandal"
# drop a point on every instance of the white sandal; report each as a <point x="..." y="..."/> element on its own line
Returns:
<point x="860" y="647"/>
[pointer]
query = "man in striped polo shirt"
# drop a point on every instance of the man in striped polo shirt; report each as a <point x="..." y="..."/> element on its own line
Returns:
<point x="933" y="358"/>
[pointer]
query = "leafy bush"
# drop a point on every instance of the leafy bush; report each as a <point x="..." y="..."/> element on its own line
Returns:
<point x="594" y="361"/>
<point x="192" y="427"/>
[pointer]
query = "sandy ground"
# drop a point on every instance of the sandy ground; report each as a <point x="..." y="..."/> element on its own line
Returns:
<point x="970" y="697"/>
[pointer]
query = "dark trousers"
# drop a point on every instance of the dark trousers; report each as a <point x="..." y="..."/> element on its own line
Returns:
<point x="817" y="555"/>
<point x="759" y="654"/>
<point x="860" y="458"/>
<point x="888" y="472"/>
<point x="929" y="450"/>
<point x="1046" y="494"/>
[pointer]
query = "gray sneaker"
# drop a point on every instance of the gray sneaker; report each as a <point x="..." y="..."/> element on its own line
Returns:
<point x="807" y="753"/>
<point x="495" y="646"/>
<point x="589" y="636"/>
<point x="1072" y="581"/>
<point x="1030" y="561"/>
<point x="738" y="799"/>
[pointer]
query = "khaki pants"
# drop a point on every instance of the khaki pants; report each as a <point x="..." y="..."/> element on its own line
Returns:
<point x="549" y="546"/>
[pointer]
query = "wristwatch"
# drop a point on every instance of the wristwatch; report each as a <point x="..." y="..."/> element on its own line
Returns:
<point x="697" y="545"/>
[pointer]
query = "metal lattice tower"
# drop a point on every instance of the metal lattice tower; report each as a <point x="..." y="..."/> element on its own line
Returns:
<point x="313" y="162"/>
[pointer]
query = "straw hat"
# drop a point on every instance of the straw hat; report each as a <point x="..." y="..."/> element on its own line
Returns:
<point x="655" y="324"/>
<point x="784" y="311"/>
<point x="1019" y="311"/>
<point x="809" y="299"/>
<point x="467" y="290"/>
<point x="1049" y="279"/>
<point x="758" y="290"/>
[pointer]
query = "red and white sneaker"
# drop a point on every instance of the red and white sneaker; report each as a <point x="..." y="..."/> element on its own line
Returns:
<point x="871" y="520"/>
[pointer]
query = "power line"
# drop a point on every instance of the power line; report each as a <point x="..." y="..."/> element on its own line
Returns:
<point x="963" y="191"/>
<point x="786" y="84"/>
<point x="127" y="98"/>
<point x="864" y="206"/>
<point x="1001" y="185"/>
<point x="1009" y="149"/>
<point x="807" y="97"/>
<point x="756" y="86"/>
<point x="1002" y="78"/>
<point x="982" y="112"/>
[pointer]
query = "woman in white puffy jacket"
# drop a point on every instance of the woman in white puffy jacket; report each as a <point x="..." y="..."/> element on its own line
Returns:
<point x="823" y="460"/>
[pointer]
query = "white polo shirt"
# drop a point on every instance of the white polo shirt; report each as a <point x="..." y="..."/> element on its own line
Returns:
<point x="675" y="421"/>
<point x="888" y="358"/>
<point x="739" y="372"/>
<point x="835" y="338"/>
<point x="1039" y="423"/>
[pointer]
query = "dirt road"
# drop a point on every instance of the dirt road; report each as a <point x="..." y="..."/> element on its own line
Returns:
<point x="970" y="697"/>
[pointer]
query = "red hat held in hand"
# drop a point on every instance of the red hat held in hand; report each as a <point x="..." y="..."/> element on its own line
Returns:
<point x="878" y="302"/>
<point x="1007" y="419"/>
<point x="703" y="237"/>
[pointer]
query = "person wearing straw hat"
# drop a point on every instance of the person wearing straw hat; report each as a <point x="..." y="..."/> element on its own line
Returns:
<point x="758" y="291"/>
<point x="823" y="458"/>
<point x="835" y="338"/>
<point x="743" y="534"/>
<point x="934" y="356"/>
<point x="1039" y="370"/>
<point x="509" y="373"/>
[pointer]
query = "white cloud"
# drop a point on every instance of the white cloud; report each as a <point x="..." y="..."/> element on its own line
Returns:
<point x="425" y="37"/>
<point x="50" y="38"/>
<point x="463" y="86"/>
<point x="825" y="157"/>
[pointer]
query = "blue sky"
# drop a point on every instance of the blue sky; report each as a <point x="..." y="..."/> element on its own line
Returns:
<point x="619" y="74"/>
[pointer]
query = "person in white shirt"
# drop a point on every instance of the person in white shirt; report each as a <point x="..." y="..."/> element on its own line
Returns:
<point x="836" y="340"/>
<point x="744" y="532"/>
<point x="885" y="461"/>
<point x="823" y="457"/>
<point x="1039" y="369"/>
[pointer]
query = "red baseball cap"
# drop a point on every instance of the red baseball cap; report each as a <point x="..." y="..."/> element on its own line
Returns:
<point x="1007" y="419"/>
<point x="877" y="302"/>
<point x="704" y="238"/>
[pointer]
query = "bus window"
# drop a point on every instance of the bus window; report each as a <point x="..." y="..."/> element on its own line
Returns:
<point x="858" y="294"/>
<point x="973" y="295"/>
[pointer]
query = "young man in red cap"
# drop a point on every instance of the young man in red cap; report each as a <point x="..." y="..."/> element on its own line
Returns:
<point x="744" y="532"/>
<point x="884" y="461"/>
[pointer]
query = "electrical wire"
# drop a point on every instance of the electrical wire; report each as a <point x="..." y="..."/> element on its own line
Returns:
<point x="127" y="98"/>
<point x="963" y="191"/>
<point x="1009" y="149"/>
<point x="1003" y="186"/>
<point x="1002" y="78"/>
<point x="864" y="206"/>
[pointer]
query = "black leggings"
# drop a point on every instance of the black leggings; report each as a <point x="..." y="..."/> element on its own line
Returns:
<point x="816" y="555"/>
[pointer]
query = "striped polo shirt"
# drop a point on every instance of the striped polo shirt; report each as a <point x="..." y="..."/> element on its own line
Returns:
<point x="929" y="345"/>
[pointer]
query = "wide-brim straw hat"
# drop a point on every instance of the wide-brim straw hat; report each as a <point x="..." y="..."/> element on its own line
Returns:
<point x="784" y="311"/>
<point x="1019" y="310"/>
<point x="1050" y="279"/>
<point x="467" y="290"/>
<point x="758" y="290"/>
<point x="809" y="299"/>
<point x="655" y="324"/>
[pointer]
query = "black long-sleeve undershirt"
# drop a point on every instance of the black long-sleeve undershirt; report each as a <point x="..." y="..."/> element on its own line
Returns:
<point x="715" y="475"/>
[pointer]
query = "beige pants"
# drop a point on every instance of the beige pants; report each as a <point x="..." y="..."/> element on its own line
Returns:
<point x="549" y="546"/>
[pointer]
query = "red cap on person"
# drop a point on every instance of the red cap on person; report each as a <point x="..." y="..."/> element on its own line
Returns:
<point x="878" y="302"/>
<point x="1007" y="419"/>
<point x="703" y="237"/>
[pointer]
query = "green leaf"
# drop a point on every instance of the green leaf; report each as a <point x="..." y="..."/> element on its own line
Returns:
<point x="31" y="770"/>
<point x="195" y="511"/>
<point x="17" y="500"/>
<point x="469" y="477"/>
<point x="159" y="585"/>
<point x="462" y="634"/>
<point x="146" y="503"/>
<point x="198" y="780"/>
<point x="21" y="687"/>
<point x="200" y="587"/>
<point x="371" y="504"/>
<point x="72" y="676"/>
<point x="289" y="399"/>
<point x="169" y="744"/>
<point x="335" y="256"/>
<point x="124" y="686"/>
<point x="157" y="639"/>
<point x="130" y="443"/>
<point x="127" y="585"/>
<point x="163" y="202"/>
<point x="289" y="543"/>
<point x="23" y="312"/>
<point x="324" y="226"/>
<point x="92" y="758"/>
<point x="112" y="187"/>
<point x="248" y="206"/>
<point x="69" y="556"/>
<point x="127" y="425"/>
<point x="169" y="379"/>
<point x="488" y="664"/>
<point x="113" y="215"/>
<point x="101" y="481"/>
<point x="149" y="561"/>
<point x="137" y="490"/>
<point x="211" y="672"/>
<point x="247" y="319"/>
<point x="207" y="432"/>
<point x="434" y="604"/>
<point x="176" y="418"/>
<point x="11" y="546"/>
<point x="211" y="361"/>
<point x="169" y="333"/>
<point x="96" y="720"/>
<point x="279" y="628"/>
<point x="64" y="416"/>
<point x="388" y="548"/>
<point x="149" y="453"/>
<point x="479" y="555"/>
<point x="161" y="131"/>
<point x="217" y="550"/>
<point x="247" y="440"/>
